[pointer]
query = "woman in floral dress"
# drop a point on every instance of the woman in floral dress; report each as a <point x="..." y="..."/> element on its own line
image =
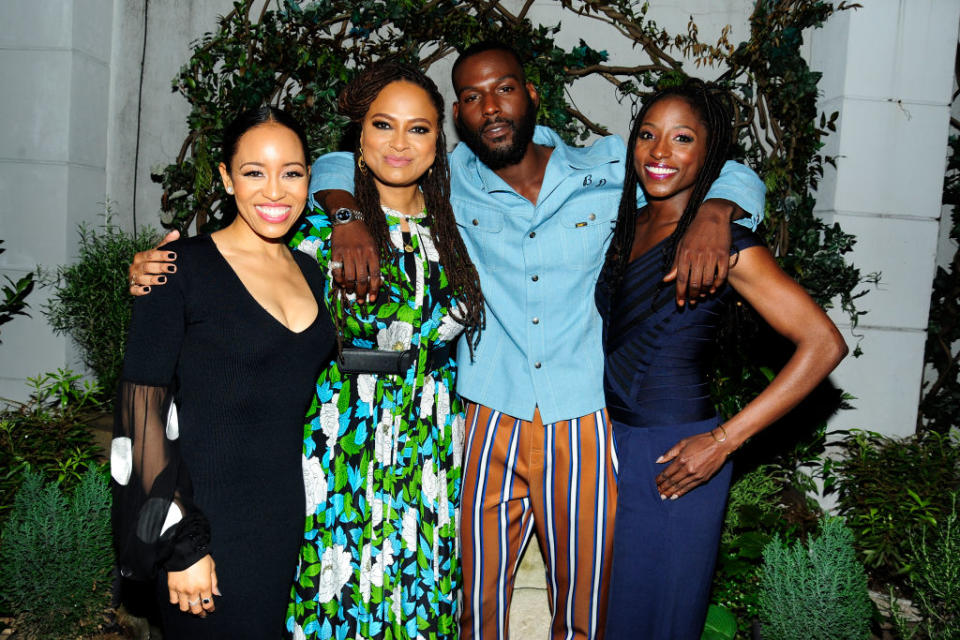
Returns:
<point x="382" y="447"/>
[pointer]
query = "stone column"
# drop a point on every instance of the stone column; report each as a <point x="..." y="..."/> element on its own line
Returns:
<point x="888" y="69"/>
<point x="55" y="73"/>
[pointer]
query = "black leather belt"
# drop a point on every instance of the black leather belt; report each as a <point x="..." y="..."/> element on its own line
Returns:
<point x="355" y="360"/>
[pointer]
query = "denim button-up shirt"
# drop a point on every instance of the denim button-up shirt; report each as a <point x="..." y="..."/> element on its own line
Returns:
<point x="538" y="266"/>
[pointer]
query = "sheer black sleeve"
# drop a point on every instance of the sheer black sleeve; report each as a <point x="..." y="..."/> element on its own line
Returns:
<point x="155" y="521"/>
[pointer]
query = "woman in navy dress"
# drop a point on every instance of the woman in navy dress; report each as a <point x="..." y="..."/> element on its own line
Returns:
<point x="673" y="449"/>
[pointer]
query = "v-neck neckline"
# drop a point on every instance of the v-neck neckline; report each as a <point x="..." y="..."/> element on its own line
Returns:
<point x="257" y="303"/>
<point x="643" y="256"/>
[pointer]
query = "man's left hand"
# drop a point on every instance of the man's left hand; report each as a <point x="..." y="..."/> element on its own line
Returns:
<point x="703" y="254"/>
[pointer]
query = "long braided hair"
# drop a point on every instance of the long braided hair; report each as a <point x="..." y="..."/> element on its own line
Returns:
<point x="707" y="101"/>
<point x="354" y="102"/>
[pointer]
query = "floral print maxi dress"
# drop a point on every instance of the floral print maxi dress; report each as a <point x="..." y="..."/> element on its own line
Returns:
<point x="381" y="461"/>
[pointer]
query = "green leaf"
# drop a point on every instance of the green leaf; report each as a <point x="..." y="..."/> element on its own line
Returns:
<point x="720" y="624"/>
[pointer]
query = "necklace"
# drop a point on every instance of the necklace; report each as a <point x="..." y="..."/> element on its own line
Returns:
<point x="406" y="235"/>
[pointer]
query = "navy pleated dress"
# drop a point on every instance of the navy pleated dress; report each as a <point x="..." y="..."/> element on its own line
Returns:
<point x="657" y="393"/>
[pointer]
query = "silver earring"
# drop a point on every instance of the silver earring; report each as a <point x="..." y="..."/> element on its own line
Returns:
<point x="230" y="190"/>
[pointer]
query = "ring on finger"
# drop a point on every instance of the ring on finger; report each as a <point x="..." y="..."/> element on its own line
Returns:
<point x="336" y="264"/>
<point x="193" y="603"/>
<point x="206" y="601"/>
<point x="133" y="281"/>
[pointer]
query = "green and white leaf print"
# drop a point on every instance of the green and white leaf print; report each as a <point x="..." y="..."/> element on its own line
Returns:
<point x="381" y="462"/>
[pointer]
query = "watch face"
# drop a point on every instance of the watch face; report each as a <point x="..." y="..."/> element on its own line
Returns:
<point x="343" y="215"/>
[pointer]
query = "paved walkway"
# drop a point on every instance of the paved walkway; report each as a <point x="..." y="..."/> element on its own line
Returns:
<point x="529" y="611"/>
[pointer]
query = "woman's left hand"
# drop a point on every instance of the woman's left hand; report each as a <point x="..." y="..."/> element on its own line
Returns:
<point x="694" y="461"/>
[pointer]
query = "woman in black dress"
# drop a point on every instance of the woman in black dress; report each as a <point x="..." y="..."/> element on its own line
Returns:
<point x="208" y="488"/>
<point x="673" y="449"/>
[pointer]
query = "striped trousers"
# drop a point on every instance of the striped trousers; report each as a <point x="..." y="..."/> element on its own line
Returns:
<point x="557" y="481"/>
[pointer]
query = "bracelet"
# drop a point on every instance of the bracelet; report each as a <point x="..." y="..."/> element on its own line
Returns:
<point x="724" y="438"/>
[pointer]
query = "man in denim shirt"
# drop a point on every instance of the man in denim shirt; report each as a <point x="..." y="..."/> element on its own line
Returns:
<point x="536" y="216"/>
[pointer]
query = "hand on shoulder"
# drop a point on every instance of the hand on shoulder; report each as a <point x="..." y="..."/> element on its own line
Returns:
<point x="149" y="268"/>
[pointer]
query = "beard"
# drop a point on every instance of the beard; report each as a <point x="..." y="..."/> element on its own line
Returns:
<point x="501" y="156"/>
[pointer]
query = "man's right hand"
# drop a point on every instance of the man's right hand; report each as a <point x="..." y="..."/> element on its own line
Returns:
<point x="149" y="267"/>
<point x="352" y="245"/>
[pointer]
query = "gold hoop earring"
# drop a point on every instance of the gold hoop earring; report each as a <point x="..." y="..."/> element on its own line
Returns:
<point x="361" y="164"/>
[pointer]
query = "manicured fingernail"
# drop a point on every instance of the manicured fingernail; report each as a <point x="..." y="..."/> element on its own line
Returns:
<point x="171" y="256"/>
<point x="674" y="497"/>
<point x="660" y="459"/>
<point x="663" y="497"/>
<point x="171" y="268"/>
<point x="162" y="279"/>
<point x="145" y="289"/>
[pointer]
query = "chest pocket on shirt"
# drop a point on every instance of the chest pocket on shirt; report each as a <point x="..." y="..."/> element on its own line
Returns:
<point x="587" y="232"/>
<point x="482" y="231"/>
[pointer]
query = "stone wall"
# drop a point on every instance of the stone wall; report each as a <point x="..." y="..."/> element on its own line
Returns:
<point x="55" y="69"/>
<point x="888" y="70"/>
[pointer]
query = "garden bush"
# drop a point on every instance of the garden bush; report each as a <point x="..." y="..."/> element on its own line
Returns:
<point x="767" y="499"/>
<point x="888" y="489"/>
<point x="48" y="434"/>
<point x="935" y="583"/>
<point x="815" y="591"/>
<point x="15" y="294"/>
<point x="90" y="301"/>
<point x="754" y="514"/>
<point x="56" y="557"/>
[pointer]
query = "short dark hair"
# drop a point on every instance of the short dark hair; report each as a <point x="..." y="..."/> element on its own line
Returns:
<point x="483" y="47"/>
<point x="253" y="118"/>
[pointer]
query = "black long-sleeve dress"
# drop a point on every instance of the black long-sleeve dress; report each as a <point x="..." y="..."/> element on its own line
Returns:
<point x="207" y="451"/>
